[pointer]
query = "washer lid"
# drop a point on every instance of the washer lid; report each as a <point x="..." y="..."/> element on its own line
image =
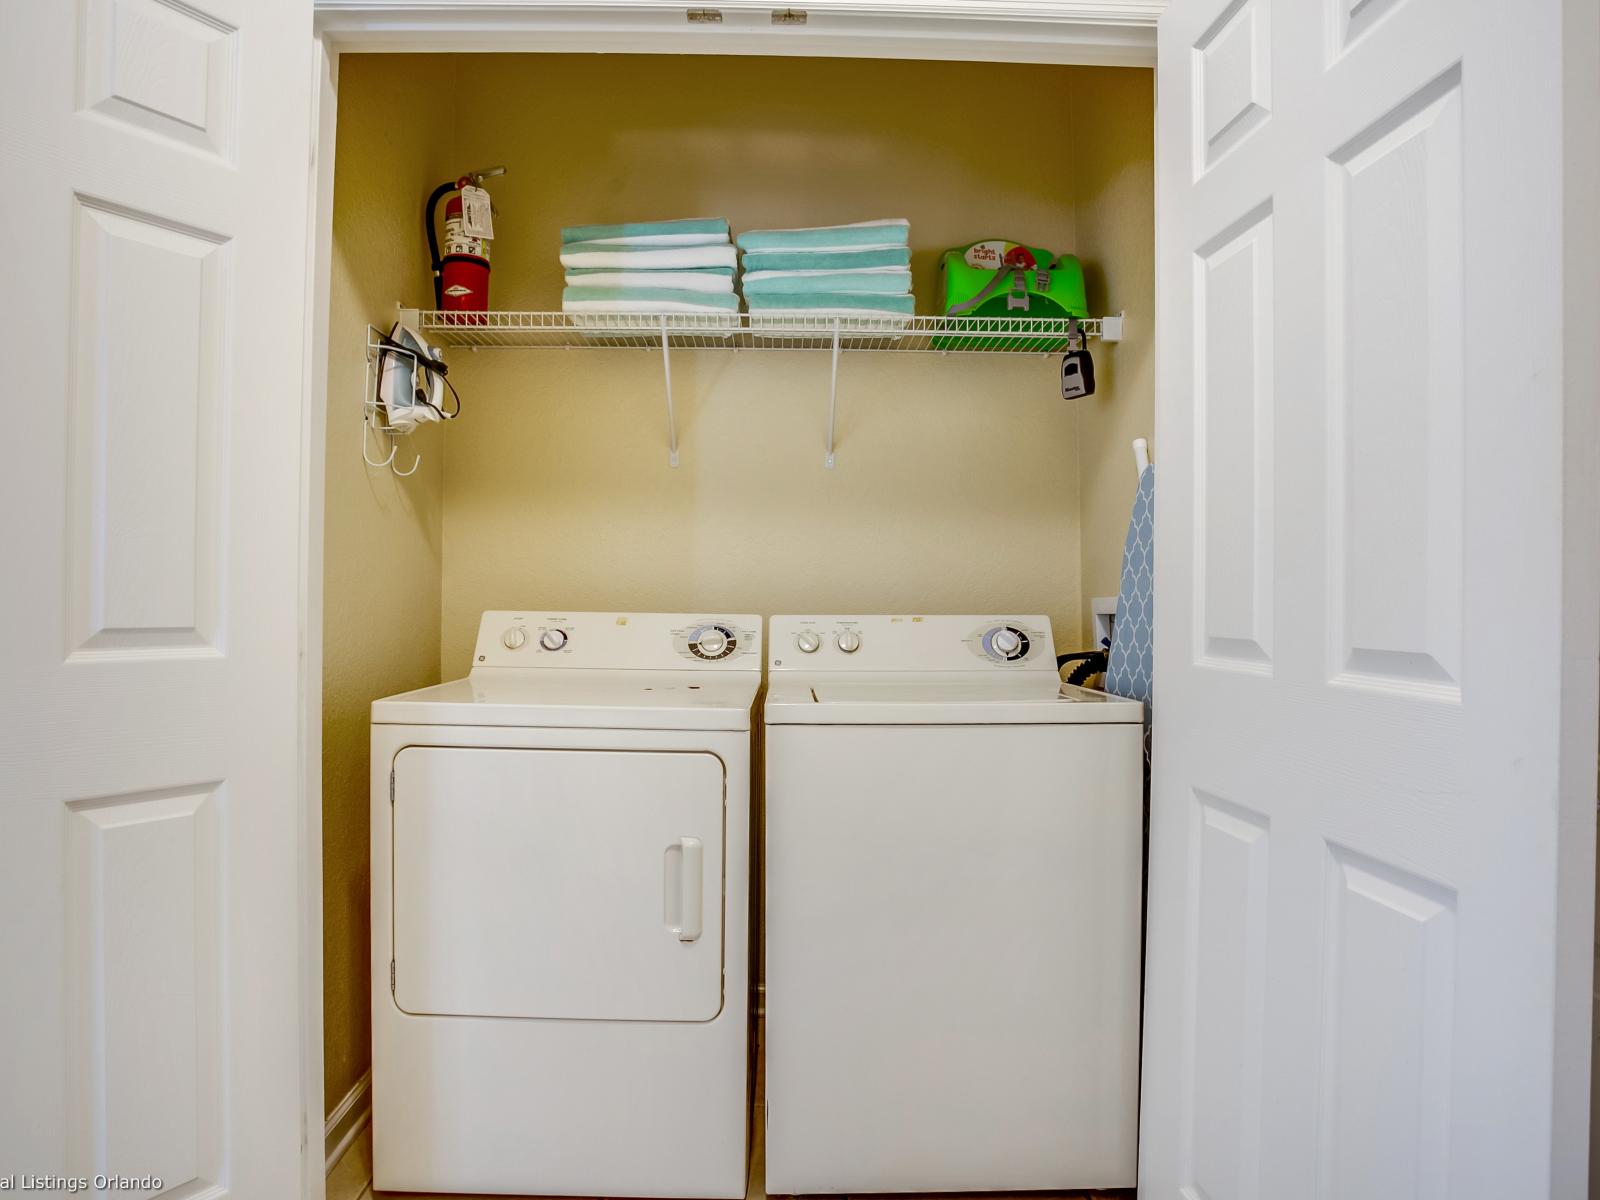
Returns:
<point x="1031" y="699"/>
<point x="581" y="699"/>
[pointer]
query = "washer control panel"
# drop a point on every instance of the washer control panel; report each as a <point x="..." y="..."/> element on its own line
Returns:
<point x="911" y="643"/>
<point x="617" y="641"/>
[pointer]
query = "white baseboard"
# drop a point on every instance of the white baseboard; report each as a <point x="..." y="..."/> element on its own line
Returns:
<point x="348" y="1119"/>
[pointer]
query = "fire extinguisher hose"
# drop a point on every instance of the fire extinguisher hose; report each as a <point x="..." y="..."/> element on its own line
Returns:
<point x="429" y="212"/>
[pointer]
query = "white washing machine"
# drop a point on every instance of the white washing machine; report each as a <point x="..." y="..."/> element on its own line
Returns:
<point x="560" y="899"/>
<point x="953" y="850"/>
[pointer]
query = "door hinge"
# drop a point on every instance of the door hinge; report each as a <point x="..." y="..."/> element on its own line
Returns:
<point x="788" y="16"/>
<point x="391" y="977"/>
<point x="391" y="787"/>
<point x="705" y="16"/>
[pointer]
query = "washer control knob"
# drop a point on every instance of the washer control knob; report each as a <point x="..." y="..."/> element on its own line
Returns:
<point x="1006" y="642"/>
<point x="712" y="642"/>
<point x="807" y="641"/>
<point x="553" y="639"/>
<point x="848" y="641"/>
<point x="514" y="638"/>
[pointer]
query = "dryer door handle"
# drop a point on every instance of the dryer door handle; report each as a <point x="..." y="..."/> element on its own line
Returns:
<point x="683" y="870"/>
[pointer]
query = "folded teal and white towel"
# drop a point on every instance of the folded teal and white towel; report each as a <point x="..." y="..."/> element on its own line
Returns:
<point x="882" y="282"/>
<point x="877" y="234"/>
<point x="648" y="258"/>
<point x="716" y="279"/>
<point x="725" y="272"/>
<point x="847" y="304"/>
<point x="646" y="300"/>
<point x="884" y="257"/>
<point x="698" y="231"/>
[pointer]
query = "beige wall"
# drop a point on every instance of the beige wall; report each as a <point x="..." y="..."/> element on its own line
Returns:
<point x="957" y="485"/>
<point x="1115" y="194"/>
<point x="382" y="534"/>
<point x="962" y="483"/>
<point x="956" y="488"/>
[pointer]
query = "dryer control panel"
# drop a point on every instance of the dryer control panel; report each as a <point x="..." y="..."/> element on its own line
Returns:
<point x="911" y="643"/>
<point x="535" y="640"/>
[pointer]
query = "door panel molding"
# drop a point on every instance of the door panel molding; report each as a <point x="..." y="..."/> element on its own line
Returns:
<point x="148" y="406"/>
<point x="146" y="887"/>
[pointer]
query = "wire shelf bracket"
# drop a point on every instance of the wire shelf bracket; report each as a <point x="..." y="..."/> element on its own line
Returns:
<point x="666" y="372"/>
<point x="833" y="396"/>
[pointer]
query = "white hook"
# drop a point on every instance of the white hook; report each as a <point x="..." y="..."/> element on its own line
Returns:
<point x="1141" y="454"/>
<point x="394" y="448"/>
<point x="415" y="463"/>
<point x="365" y="428"/>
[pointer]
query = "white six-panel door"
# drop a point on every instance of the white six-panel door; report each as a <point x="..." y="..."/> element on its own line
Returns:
<point x="1356" y="875"/>
<point x="154" y="170"/>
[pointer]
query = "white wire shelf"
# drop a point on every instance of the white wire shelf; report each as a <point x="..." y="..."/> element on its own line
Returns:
<point x="666" y="332"/>
<point x="757" y="331"/>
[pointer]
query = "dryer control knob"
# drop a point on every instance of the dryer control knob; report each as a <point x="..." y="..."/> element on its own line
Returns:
<point x="553" y="639"/>
<point x="514" y="638"/>
<point x="1006" y="642"/>
<point x="712" y="643"/>
<point x="849" y="641"/>
<point x="807" y="642"/>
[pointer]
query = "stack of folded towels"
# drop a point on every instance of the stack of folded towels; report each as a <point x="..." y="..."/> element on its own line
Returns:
<point x="651" y="266"/>
<point x="837" y="270"/>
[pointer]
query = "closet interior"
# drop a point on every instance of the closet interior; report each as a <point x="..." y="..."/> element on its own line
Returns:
<point x="673" y="464"/>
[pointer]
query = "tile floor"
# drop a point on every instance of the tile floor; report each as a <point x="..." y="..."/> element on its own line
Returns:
<point x="352" y="1178"/>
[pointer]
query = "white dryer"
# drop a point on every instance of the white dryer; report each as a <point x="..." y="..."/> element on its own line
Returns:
<point x="560" y="898"/>
<point x="953" y="850"/>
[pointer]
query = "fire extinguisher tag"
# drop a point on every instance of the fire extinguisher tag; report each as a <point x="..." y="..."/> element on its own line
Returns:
<point x="477" y="214"/>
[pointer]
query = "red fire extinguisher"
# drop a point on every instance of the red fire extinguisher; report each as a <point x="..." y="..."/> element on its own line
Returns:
<point x="461" y="273"/>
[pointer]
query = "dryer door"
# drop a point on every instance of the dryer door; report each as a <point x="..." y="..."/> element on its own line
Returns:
<point x="558" y="883"/>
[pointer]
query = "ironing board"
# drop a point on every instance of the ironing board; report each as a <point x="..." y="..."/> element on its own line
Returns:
<point x="1128" y="665"/>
